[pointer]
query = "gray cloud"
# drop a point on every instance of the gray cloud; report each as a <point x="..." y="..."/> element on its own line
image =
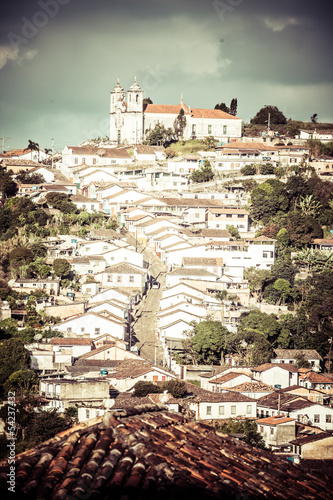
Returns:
<point x="57" y="82"/>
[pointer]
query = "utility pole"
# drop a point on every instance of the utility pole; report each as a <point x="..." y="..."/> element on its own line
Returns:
<point x="4" y="139"/>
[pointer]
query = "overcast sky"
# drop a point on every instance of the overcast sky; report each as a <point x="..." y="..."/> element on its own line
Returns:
<point x="59" y="60"/>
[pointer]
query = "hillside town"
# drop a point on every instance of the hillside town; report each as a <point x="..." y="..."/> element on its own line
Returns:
<point x="174" y="276"/>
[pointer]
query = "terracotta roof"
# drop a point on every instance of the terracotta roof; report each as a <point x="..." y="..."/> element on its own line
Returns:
<point x="80" y="198"/>
<point x="249" y="145"/>
<point x="253" y="387"/>
<point x="132" y="369"/>
<point x="312" y="438"/>
<point x="292" y="353"/>
<point x="70" y="341"/>
<point x="226" y="378"/>
<point x="190" y="271"/>
<point x="288" y="402"/>
<point x="195" y="113"/>
<point x="267" y="366"/>
<point x="240" y="211"/>
<point x="192" y="202"/>
<point x="202" y="261"/>
<point x="276" y="420"/>
<point x="147" y="452"/>
<point x="316" y="378"/>
<point x="123" y="268"/>
<point x="145" y="149"/>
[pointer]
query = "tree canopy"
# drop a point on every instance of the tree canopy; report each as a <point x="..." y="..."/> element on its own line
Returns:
<point x="271" y="114"/>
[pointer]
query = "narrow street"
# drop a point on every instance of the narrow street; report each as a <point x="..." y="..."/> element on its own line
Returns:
<point x="145" y="325"/>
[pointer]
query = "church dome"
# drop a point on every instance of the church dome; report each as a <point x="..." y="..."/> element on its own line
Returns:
<point x="118" y="87"/>
<point x="135" y="85"/>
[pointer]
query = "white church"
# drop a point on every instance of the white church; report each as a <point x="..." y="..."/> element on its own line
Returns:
<point x="130" y="118"/>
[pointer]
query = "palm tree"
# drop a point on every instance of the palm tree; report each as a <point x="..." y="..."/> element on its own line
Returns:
<point x="309" y="205"/>
<point x="33" y="146"/>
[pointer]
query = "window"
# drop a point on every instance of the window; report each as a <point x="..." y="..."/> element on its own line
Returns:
<point x="316" y="419"/>
<point x="83" y="161"/>
<point x="240" y="216"/>
<point x="249" y="410"/>
<point x="197" y="215"/>
<point x="261" y="429"/>
<point x="82" y="329"/>
<point x="76" y="161"/>
<point x="94" y="161"/>
<point x="221" y="410"/>
<point x="97" y="413"/>
<point x="209" y="129"/>
<point x="131" y="279"/>
<point x="87" y="413"/>
<point x="193" y="129"/>
<point x="119" y="278"/>
<point x="97" y="331"/>
<point x="208" y="410"/>
<point x="88" y="290"/>
<point x="69" y="329"/>
<point x="224" y="129"/>
<point x="229" y="216"/>
<point x="233" y="410"/>
<point x="155" y="378"/>
<point x="110" y="277"/>
<point x="272" y="431"/>
<point x="328" y="419"/>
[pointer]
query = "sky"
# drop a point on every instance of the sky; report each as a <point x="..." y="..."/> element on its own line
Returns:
<point x="60" y="59"/>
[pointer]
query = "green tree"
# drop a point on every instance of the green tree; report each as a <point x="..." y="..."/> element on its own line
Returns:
<point x="33" y="146"/>
<point x="302" y="229"/>
<point x="203" y="173"/>
<point x="142" y="388"/>
<point x="257" y="279"/>
<point x="180" y="124"/>
<point x="233" y="107"/>
<point x="284" y="288"/>
<point x="267" y="169"/>
<point x="256" y="321"/>
<point x="268" y="199"/>
<point x="248" y="170"/>
<point x="61" y="267"/>
<point x="147" y="100"/>
<point x="209" y="341"/>
<point x="271" y="114"/>
<point x="14" y="357"/>
<point x="159" y="135"/>
<point x="176" y="388"/>
<point x="223" y="107"/>
<point x="21" y="381"/>
<point x="234" y="233"/>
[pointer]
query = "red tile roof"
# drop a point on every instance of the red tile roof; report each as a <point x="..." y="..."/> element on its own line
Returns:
<point x="195" y="113"/>
<point x="147" y="452"/>
<point x="276" y="420"/>
<point x="70" y="341"/>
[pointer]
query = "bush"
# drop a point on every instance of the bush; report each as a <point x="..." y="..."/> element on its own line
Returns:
<point x="176" y="388"/>
<point x="267" y="169"/>
<point x="248" y="170"/>
<point x="141" y="389"/>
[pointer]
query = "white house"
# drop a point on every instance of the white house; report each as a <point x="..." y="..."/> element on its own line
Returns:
<point x="123" y="275"/>
<point x="278" y="375"/>
<point x="92" y="325"/>
<point x="292" y="355"/>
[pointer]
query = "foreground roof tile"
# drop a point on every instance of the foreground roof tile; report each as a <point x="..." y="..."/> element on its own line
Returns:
<point x="146" y="452"/>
